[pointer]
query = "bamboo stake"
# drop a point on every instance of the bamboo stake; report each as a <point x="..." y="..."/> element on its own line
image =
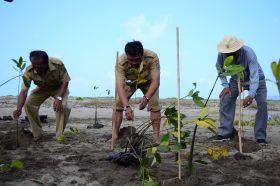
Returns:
<point x="117" y="59"/>
<point x="116" y="93"/>
<point x="239" y="121"/>
<point x="178" y="100"/>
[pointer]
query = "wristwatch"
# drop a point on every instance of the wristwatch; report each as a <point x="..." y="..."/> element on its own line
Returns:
<point x="147" y="98"/>
<point x="59" y="98"/>
<point x="126" y="107"/>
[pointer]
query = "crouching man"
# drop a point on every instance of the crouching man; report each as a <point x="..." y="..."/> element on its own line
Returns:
<point x="52" y="79"/>
<point x="134" y="55"/>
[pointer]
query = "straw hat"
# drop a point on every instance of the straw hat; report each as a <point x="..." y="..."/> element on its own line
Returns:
<point x="230" y="44"/>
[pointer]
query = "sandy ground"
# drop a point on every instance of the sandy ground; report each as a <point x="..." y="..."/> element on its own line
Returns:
<point x="81" y="160"/>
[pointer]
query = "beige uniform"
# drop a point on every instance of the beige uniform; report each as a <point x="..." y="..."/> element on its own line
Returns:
<point x="151" y="69"/>
<point x="48" y="85"/>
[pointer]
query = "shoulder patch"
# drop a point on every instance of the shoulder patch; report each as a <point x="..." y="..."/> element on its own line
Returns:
<point x="55" y="61"/>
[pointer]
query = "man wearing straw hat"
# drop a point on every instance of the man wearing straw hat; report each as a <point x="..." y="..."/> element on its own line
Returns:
<point x="254" y="82"/>
<point x="126" y="86"/>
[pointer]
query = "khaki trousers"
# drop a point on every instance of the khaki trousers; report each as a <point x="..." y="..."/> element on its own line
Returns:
<point x="33" y="103"/>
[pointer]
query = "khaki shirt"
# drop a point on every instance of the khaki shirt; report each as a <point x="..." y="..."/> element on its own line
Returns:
<point x="151" y="67"/>
<point x="52" y="79"/>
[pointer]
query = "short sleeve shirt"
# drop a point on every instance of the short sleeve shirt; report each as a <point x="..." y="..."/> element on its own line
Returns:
<point x="52" y="79"/>
<point x="151" y="67"/>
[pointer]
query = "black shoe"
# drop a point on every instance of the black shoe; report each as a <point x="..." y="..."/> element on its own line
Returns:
<point x="262" y="141"/>
<point x="220" y="138"/>
<point x="233" y="134"/>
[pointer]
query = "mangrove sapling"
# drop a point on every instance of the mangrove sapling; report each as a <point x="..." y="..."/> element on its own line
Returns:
<point x="20" y="66"/>
<point x="275" y="67"/>
<point x="96" y="124"/>
<point x="229" y="69"/>
<point x="169" y="141"/>
<point x="15" y="164"/>
<point x="140" y="146"/>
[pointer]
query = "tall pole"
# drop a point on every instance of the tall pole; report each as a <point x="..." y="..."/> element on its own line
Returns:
<point x="239" y="120"/>
<point x="114" y="112"/>
<point x="178" y="100"/>
<point x="117" y="58"/>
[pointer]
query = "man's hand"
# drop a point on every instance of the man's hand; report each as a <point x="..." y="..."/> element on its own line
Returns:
<point x="224" y="92"/>
<point x="16" y="114"/>
<point x="142" y="103"/>
<point x="57" y="105"/>
<point x="247" y="101"/>
<point x="129" y="114"/>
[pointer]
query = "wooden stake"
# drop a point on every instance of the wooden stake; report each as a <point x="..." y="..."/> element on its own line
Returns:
<point x="239" y="120"/>
<point x="116" y="93"/>
<point x="178" y="100"/>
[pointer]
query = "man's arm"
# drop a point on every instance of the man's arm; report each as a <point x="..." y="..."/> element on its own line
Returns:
<point x="254" y="76"/>
<point x="57" y="105"/>
<point x="254" y="81"/>
<point x="20" y="104"/>
<point x="155" y="75"/>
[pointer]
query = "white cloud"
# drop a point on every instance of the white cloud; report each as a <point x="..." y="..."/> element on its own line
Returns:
<point x="141" y="28"/>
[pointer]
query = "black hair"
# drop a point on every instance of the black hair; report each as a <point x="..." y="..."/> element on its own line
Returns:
<point x="134" y="48"/>
<point x="40" y="54"/>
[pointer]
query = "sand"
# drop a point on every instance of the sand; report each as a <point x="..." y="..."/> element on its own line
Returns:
<point x="81" y="160"/>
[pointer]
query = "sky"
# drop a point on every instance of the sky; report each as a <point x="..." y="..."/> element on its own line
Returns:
<point x="86" y="35"/>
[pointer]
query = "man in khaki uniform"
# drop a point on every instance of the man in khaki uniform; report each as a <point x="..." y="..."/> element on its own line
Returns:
<point x="51" y="78"/>
<point x="125" y="84"/>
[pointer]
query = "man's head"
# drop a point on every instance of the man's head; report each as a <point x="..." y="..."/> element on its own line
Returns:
<point x="230" y="46"/>
<point x="134" y="52"/>
<point x="39" y="60"/>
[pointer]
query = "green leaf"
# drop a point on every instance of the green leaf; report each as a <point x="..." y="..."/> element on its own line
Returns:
<point x="108" y="91"/>
<point x="17" y="164"/>
<point x="198" y="102"/>
<point x="164" y="139"/>
<point x="4" y="167"/>
<point x="20" y="61"/>
<point x="23" y="66"/>
<point x="194" y="84"/>
<point x="26" y="82"/>
<point x="163" y="148"/>
<point x="134" y="71"/>
<point x="157" y="159"/>
<point x="211" y="122"/>
<point x="95" y="87"/>
<point x="228" y="61"/>
<point x="140" y="68"/>
<point x="235" y="68"/>
<point x="15" y="61"/>
<point x="141" y="81"/>
<point x="202" y="123"/>
<point x="150" y="183"/>
<point x="61" y="139"/>
<point x="274" y="68"/>
<point x="204" y="112"/>
<point x="176" y="147"/>
<point x="190" y="93"/>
